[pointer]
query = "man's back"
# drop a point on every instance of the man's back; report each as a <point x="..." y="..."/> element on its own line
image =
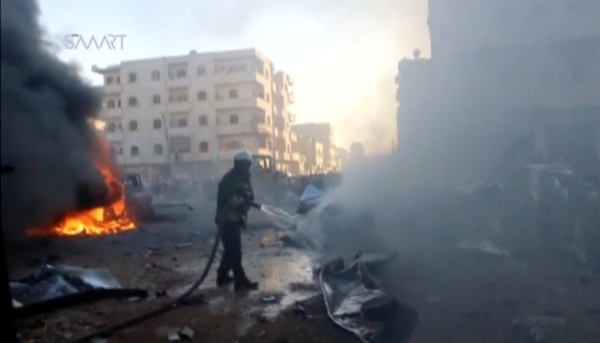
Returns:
<point x="234" y="184"/>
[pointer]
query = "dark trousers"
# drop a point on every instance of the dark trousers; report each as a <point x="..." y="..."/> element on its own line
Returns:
<point x="231" y="237"/>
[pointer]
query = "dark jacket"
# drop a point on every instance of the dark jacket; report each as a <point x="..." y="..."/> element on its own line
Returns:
<point x="234" y="197"/>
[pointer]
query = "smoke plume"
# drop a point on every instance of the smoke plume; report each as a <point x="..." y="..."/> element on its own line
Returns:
<point x="46" y="133"/>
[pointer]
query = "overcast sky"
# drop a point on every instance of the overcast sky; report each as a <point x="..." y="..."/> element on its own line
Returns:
<point x="343" y="54"/>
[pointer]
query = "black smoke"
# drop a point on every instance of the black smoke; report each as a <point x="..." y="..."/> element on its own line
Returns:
<point x="45" y="116"/>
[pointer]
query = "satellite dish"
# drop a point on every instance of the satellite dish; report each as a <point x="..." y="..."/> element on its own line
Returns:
<point x="417" y="53"/>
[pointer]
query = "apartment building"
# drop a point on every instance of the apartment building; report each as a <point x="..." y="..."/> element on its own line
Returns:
<point x="313" y="152"/>
<point x="189" y="115"/>
<point x="502" y="72"/>
<point x="322" y="133"/>
<point x="287" y="159"/>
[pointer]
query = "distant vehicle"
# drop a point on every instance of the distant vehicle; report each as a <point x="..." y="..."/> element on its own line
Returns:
<point x="310" y="198"/>
<point x="314" y="192"/>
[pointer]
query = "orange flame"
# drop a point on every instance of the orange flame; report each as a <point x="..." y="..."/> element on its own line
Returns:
<point x="110" y="219"/>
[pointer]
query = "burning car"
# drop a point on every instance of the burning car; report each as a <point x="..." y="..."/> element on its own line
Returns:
<point x="101" y="209"/>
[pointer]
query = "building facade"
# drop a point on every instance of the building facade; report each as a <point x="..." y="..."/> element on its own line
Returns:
<point x="323" y="133"/>
<point x="511" y="80"/>
<point x="313" y="150"/>
<point x="287" y="160"/>
<point x="189" y="115"/>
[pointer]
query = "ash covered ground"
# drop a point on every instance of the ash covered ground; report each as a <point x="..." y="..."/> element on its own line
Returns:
<point x="461" y="296"/>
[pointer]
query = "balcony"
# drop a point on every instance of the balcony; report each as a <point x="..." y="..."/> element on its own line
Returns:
<point x="237" y="103"/>
<point x="287" y="156"/>
<point x="296" y="157"/>
<point x="113" y="88"/>
<point x="240" y="129"/>
<point x="174" y="107"/>
<point x="264" y="128"/>
<point x="290" y="80"/>
<point x="111" y="113"/>
<point x="178" y="82"/>
<point x="180" y="131"/>
<point x="291" y="98"/>
<point x="115" y="136"/>
<point x="265" y="152"/>
<point x="224" y="78"/>
<point x="229" y="154"/>
<point x="292" y="117"/>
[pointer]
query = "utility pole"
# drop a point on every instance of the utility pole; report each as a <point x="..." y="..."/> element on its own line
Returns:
<point x="11" y="331"/>
<point x="164" y="115"/>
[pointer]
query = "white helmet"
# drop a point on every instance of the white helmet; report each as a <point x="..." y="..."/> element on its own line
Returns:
<point x="243" y="155"/>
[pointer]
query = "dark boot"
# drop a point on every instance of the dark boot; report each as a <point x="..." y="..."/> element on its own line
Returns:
<point x="224" y="280"/>
<point x="245" y="285"/>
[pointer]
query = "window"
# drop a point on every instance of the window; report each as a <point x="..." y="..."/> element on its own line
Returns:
<point x="111" y="127"/>
<point x="109" y="80"/>
<point x="201" y="71"/>
<point x="157" y="124"/>
<point x="134" y="151"/>
<point x="156" y="99"/>
<point x="203" y="120"/>
<point x="234" y="119"/>
<point x="181" y="73"/>
<point x="110" y="104"/>
<point x="178" y="97"/>
<point x="233" y="94"/>
<point x="201" y="95"/>
<point x="119" y="103"/>
<point x="132" y="101"/>
<point x="204" y="147"/>
<point x="158" y="149"/>
<point x="132" y="77"/>
<point x="182" y="122"/>
<point x="118" y="79"/>
<point x="234" y="145"/>
<point x="133" y="125"/>
<point x="155" y="75"/>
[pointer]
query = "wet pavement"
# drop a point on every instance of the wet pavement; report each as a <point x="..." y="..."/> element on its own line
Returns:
<point x="169" y="257"/>
<point x="285" y="275"/>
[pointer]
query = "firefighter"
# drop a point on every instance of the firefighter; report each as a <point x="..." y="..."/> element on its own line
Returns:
<point x="235" y="197"/>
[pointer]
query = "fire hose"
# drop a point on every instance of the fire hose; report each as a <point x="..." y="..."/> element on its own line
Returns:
<point x="165" y="308"/>
<point x="161" y="310"/>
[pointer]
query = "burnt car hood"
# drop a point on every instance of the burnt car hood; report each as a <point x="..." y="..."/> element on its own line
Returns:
<point x="356" y="303"/>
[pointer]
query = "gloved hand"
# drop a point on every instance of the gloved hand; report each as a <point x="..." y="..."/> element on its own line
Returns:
<point x="256" y="205"/>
